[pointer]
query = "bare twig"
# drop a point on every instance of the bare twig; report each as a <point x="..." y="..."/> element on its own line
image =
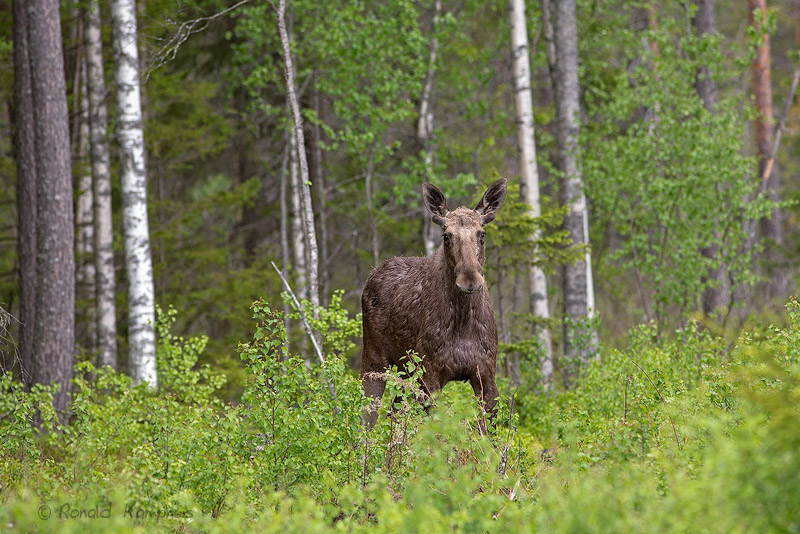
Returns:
<point x="660" y="396"/>
<point x="310" y="333"/>
<point x="787" y="104"/>
<point x="185" y="30"/>
<point x="302" y="312"/>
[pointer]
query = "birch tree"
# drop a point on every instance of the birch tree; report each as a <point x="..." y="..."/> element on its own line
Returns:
<point x="285" y="178"/>
<point x="529" y="176"/>
<point x="425" y="123"/>
<point x="24" y="145"/>
<point x="105" y="286"/>
<point x="579" y="338"/>
<point x="54" y="335"/>
<point x="85" y="276"/>
<point x="319" y="176"/>
<point x="298" y="231"/>
<point x="130" y="135"/>
<point x="305" y="192"/>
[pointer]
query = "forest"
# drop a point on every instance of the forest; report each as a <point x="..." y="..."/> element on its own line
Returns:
<point x="194" y="193"/>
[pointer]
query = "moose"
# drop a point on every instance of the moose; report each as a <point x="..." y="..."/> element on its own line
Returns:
<point x="438" y="307"/>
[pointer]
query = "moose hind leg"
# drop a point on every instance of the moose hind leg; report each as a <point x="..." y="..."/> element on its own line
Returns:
<point x="373" y="384"/>
<point x="373" y="380"/>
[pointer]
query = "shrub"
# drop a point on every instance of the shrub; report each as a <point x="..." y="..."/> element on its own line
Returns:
<point x="678" y="435"/>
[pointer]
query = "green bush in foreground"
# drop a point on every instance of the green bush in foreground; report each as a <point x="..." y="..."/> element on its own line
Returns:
<point x="678" y="436"/>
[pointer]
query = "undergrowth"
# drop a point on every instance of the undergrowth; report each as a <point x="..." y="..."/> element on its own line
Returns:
<point x="688" y="434"/>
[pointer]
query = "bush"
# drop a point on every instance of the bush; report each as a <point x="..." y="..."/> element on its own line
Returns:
<point x="679" y="435"/>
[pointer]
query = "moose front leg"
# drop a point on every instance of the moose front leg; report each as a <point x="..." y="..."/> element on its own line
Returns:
<point x="485" y="389"/>
<point x="373" y="383"/>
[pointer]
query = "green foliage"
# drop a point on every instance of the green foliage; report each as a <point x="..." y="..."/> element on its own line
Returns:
<point x="176" y="359"/>
<point x="677" y="432"/>
<point x="665" y="174"/>
<point x="368" y="72"/>
<point x="335" y="326"/>
<point x="511" y="244"/>
<point x="304" y="432"/>
<point x="685" y="434"/>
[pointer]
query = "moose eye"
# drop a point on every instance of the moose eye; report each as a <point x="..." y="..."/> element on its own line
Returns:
<point x="446" y="238"/>
<point x="483" y="236"/>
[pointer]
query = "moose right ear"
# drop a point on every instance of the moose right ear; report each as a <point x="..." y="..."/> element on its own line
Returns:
<point x="435" y="202"/>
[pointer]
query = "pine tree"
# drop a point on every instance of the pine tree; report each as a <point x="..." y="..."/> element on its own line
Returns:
<point x="54" y="337"/>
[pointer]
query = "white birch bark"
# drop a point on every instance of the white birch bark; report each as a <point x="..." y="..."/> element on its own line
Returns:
<point x="105" y="286"/>
<point x="285" y="231"/>
<point x="529" y="174"/>
<point x="130" y="134"/>
<point x="298" y="232"/>
<point x="373" y="224"/>
<point x="319" y="176"/>
<point x="305" y="196"/>
<point x="84" y="211"/>
<point x="425" y="125"/>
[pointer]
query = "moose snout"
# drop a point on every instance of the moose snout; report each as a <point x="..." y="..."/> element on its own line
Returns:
<point x="469" y="284"/>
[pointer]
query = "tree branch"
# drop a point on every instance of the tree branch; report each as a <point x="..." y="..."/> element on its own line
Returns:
<point x="310" y="333"/>
<point x="787" y="104"/>
<point x="303" y="317"/>
<point x="185" y="30"/>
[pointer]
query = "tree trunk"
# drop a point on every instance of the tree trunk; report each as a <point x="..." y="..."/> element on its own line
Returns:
<point x="529" y="175"/>
<point x="54" y="340"/>
<point x="319" y="176"/>
<point x="285" y="231"/>
<point x="105" y="286"/>
<point x="24" y="145"/>
<point x="425" y="125"/>
<point x="298" y="233"/>
<point x="85" y="278"/>
<point x="373" y="225"/>
<point x="772" y="227"/>
<point x="308" y="212"/>
<point x="579" y="337"/>
<point x="718" y="296"/>
<point x="130" y="134"/>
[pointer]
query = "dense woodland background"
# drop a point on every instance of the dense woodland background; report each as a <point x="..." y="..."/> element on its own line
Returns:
<point x="665" y="182"/>
<point x="666" y="139"/>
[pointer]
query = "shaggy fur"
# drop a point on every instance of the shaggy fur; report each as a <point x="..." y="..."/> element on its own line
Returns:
<point x="438" y="307"/>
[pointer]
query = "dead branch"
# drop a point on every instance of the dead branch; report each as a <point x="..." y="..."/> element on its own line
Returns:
<point x="787" y="104"/>
<point x="185" y="30"/>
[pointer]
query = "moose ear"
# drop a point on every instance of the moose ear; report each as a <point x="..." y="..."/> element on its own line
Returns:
<point x="492" y="199"/>
<point x="435" y="202"/>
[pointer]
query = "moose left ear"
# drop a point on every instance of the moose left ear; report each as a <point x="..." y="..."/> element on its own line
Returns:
<point x="492" y="199"/>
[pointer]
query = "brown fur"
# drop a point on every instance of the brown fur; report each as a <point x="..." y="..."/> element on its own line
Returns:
<point x="438" y="307"/>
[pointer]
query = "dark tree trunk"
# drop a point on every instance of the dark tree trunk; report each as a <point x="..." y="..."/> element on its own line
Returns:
<point x="705" y="22"/>
<point x="579" y="338"/>
<point x="24" y="140"/>
<point x="718" y="296"/>
<point x="55" y="263"/>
